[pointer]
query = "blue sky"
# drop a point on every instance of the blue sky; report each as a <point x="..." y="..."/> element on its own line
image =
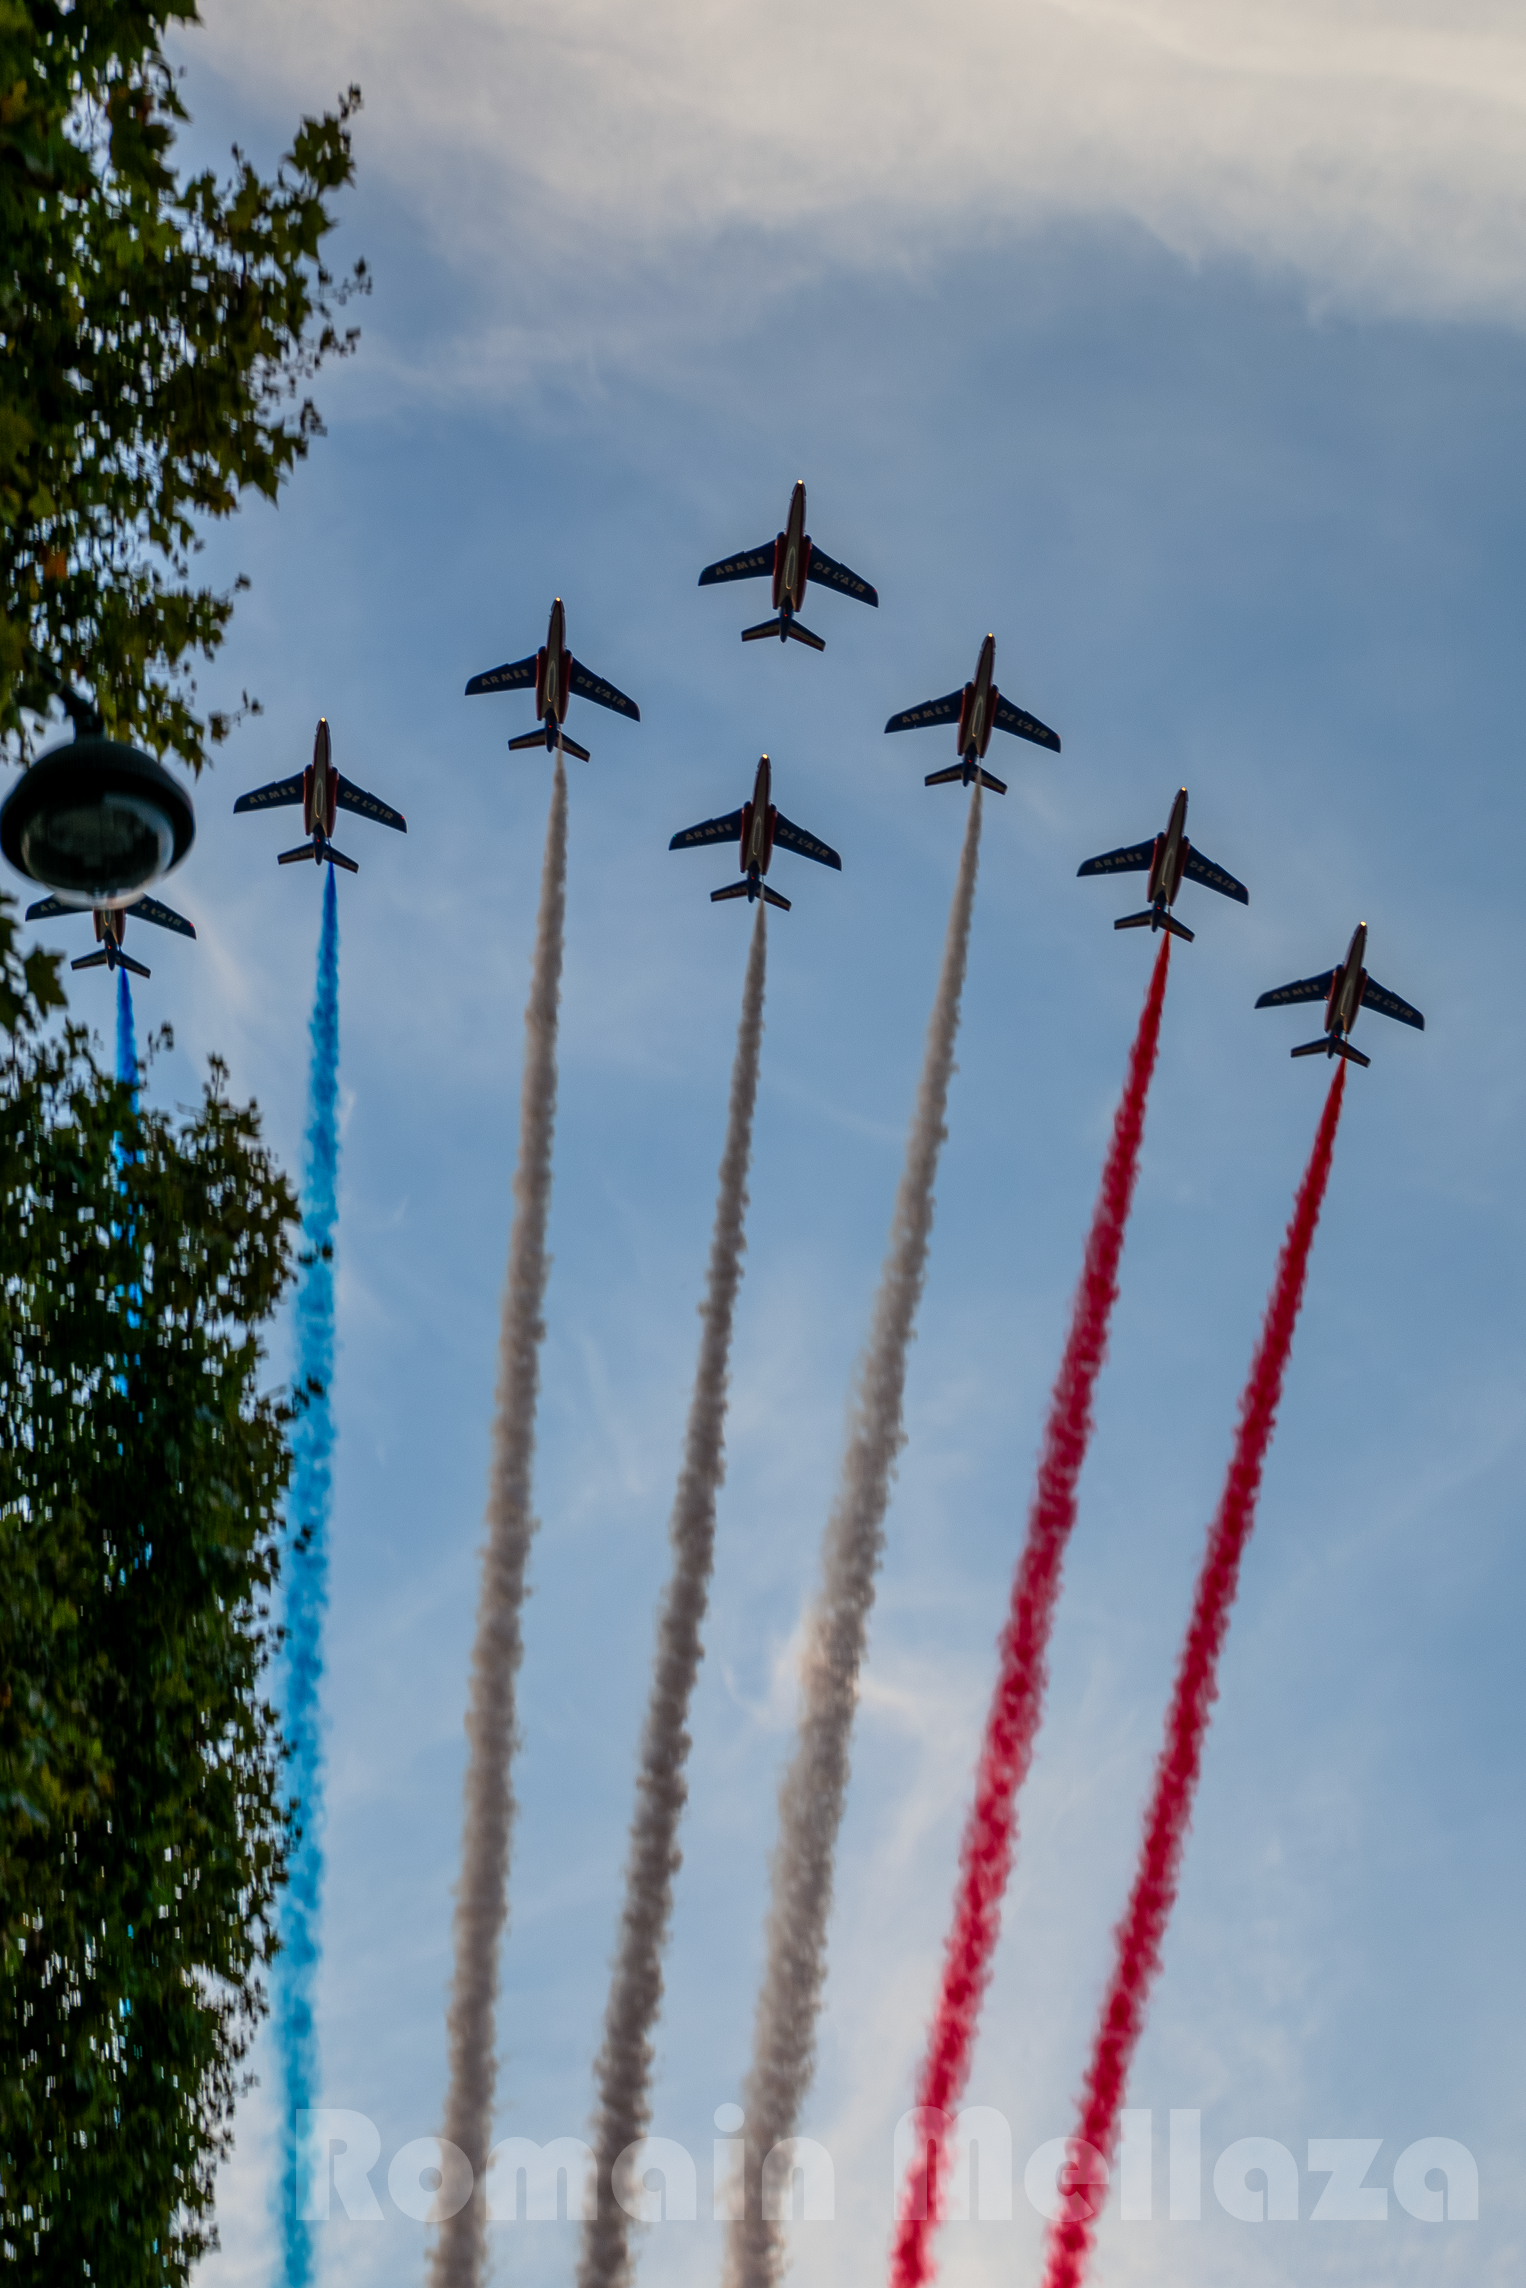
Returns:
<point x="1160" y="344"/>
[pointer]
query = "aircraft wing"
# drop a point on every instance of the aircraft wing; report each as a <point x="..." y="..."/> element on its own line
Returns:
<point x="1201" y="869"/>
<point x="1378" y="997"/>
<point x="1024" y="726"/>
<point x="831" y="574"/>
<point x="595" y="687"/>
<point x="352" y="797"/>
<point x="788" y="836"/>
<point x="1136" y="859"/>
<point x="165" y="917"/>
<point x="930" y="711"/>
<point x="516" y="675"/>
<point x="724" y="829"/>
<point x="276" y="796"/>
<point x="1301" y="989"/>
<point x="752" y="564"/>
<point x="49" y="910"/>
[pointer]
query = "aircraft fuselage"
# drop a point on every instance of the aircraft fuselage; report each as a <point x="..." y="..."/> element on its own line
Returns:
<point x="977" y="710"/>
<point x="1172" y="850"/>
<point x="792" y="556"/>
<point x="552" y="679"/>
<point x="759" y="817"/>
<point x="1348" y="985"/>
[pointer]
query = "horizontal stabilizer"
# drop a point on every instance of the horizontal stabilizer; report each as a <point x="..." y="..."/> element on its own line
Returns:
<point x="1024" y="726"/>
<point x="954" y="772"/>
<point x="338" y="858"/>
<point x="709" y="830"/>
<point x="1133" y="858"/>
<point x="571" y="747"/>
<point x="1201" y="869"/>
<point x="945" y="710"/>
<point x="764" y="628"/>
<point x="995" y="785"/>
<point x="752" y="564"/>
<point x="1376" y="996"/>
<point x="789" y="836"/>
<point x="92" y="960"/>
<point x="772" y="898"/>
<point x="1301" y="989"/>
<point x="352" y="797"/>
<point x="277" y="796"/>
<point x="732" y="890"/>
<point x="1136" y="921"/>
<point x="603" y="694"/>
<point x="1331" y="1045"/>
<point x="515" y="675"/>
<point x="793" y="629"/>
<point x="834" y="575"/>
<point x="1177" y="929"/>
<point x="292" y="857"/>
<point x="529" y="739"/>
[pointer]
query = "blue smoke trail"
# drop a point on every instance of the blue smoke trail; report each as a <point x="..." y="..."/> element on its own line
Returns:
<point x="307" y="1587"/>
<point x="127" y="1047"/>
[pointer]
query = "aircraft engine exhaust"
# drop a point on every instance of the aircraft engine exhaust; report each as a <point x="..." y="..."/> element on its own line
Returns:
<point x="1139" y="1937"/>
<point x="635" y="1995"/>
<point x="307" y="1509"/>
<point x="1017" y="1704"/>
<point x="812" y="1793"/>
<point x="459" y="2257"/>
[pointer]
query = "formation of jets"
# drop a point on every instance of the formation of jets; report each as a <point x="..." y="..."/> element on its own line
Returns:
<point x="792" y="562"/>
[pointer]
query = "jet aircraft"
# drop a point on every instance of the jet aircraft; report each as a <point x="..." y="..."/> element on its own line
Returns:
<point x="756" y="828"/>
<point x="1169" y="860"/>
<point x="321" y="792"/>
<point x="1344" y="991"/>
<point x="790" y="559"/>
<point x="979" y="709"/>
<point x="110" y="927"/>
<point x="556" y="677"/>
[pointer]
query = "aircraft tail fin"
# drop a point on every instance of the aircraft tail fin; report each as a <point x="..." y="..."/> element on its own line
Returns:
<point x="954" y="772"/>
<point x="1150" y="919"/>
<point x="774" y="627"/>
<point x="91" y="960"/>
<point x="530" y="739"/>
<point x="1136" y="921"/>
<point x="732" y="890"/>
<point x="773" y="898"/>
<point x="804" y="635"/>
<point x="338" y="858"/>
<point x="1177" y="929"/>
<point x="996" y="785"/>
<point x="572" y="748"/>
<point x="125" y="961"/>
<point x="293" y="857"/>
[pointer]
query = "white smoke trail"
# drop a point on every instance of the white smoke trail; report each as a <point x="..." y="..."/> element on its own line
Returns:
<point x="812" y="1792"/>
<point x="635" y="1994"/>
<point x="482" y="1896"/>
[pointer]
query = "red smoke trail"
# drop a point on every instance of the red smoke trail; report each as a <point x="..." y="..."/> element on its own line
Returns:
<point x="990" y="1836"/>
<point x="1140" y="1934"/>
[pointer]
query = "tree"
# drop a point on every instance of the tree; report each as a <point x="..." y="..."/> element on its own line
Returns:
<point x="142" y="1832"/>
<point x="156" y="340"/>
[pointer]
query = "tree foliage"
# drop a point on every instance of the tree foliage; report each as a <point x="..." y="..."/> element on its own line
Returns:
<point x="142" y="1831"/>
<point x="156" y="341"/>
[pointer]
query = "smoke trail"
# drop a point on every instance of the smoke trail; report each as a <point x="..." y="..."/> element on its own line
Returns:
<point x="127" y="1046"/>
<point x="1139" y="1936"/>
<point x="307" y="1580"/>
<point x="482" y="1895"/>
<point x="815" y="1784"/>
<point x="1017" y="1704"/>
<point x="635" y="1994"/>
